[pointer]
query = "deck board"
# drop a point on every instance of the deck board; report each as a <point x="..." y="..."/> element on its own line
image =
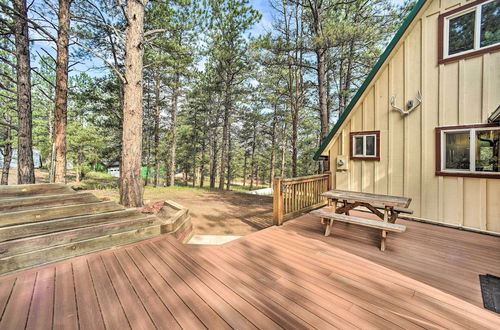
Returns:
<point x="281" y="277"/>
<point x="43" y="291"/>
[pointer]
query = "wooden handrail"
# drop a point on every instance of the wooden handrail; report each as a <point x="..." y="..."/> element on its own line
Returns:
<point x="295" y="196"/>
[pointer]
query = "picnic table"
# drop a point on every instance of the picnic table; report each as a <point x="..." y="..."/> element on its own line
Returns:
<point x="387" y="208"/>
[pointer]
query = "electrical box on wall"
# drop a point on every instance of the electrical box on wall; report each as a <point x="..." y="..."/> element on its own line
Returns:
<point x="342" y="163"/>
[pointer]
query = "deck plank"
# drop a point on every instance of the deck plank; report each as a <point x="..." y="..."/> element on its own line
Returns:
<point x="42" y="308"/>
<point x="65" y="310"/>
<point x="16" y="312"/>
<point x="89" y="311"/>
<point x="6" y="287"/>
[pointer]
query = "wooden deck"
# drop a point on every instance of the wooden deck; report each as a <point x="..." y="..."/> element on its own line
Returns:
<point x="281" y="277"/>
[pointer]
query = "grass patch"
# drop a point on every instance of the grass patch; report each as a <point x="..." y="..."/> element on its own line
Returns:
<point x="96" y="181"/>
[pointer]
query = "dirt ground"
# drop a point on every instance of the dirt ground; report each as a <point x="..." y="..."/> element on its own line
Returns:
<point x="213" y="212"/>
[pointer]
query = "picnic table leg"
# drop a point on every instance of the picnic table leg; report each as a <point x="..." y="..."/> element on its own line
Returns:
<point x="384" y="233"/>
<point x="329" y="224"/>
<point x="345" y="204"/>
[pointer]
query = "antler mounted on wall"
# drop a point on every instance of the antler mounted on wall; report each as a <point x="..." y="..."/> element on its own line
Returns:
<point x="409" y="105"/>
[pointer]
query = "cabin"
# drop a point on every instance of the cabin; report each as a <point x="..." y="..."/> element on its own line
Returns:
<point x="425" y="123"/>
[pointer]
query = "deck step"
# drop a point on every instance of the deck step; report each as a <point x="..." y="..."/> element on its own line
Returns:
<point x="56" y="212"/>
<point x="51" y="226"/>
<point x="25" y="190"/>
<point x="24" y="245"/>
<point x="34" y="202"/>
<point x="65" y="251"/>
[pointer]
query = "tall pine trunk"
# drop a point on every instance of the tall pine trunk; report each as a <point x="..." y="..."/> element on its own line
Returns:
<point x="225" y="140"/>
<point x="7" y="156"/>
<point x="131" y="185"/>
<point x="273" y="146"/>
<point x="283" y="151"/>
<point x="25" y="166"/>
<point x="323" y="92"/>
<point x="213" y="161"/>
<point x="173" y="147"/>
<point x="156" y="149"/>
<point x="61" y="102"/>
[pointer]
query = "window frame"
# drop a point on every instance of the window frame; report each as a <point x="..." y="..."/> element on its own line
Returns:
<point x="443" y="21"/>
<point x="441" y="151"/>
<point x="375" y="157"/>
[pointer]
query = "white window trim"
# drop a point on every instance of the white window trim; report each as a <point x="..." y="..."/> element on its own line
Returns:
<point x="364" y="145"/>
<point x="477" y="31"/>
<point x="472" y="150"/>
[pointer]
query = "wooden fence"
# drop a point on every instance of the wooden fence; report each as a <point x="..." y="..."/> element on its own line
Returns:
<point x="292" y="197"/>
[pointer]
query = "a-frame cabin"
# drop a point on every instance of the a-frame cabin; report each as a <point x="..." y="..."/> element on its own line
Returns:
<point x="425" y="123"/>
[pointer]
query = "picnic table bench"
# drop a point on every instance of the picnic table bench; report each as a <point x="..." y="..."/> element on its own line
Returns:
<point x="391" y="206"/>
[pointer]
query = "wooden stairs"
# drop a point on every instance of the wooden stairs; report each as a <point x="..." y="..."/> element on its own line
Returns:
<point x="43" y="223"/>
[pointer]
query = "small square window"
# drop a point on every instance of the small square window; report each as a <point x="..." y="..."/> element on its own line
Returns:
<point x="364" y="145"/>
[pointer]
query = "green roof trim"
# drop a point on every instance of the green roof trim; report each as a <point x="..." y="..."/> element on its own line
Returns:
<point x="406" y="23"/>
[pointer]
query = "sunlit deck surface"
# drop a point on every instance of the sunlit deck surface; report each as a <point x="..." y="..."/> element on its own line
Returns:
<point x="281" y="277"/>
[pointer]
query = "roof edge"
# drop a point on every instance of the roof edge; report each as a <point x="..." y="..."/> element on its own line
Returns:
<point x="388" y="50"/>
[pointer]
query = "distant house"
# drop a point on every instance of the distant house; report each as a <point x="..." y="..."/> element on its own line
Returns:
<point x="425" y="123"/>
<point x="37" y="159"/>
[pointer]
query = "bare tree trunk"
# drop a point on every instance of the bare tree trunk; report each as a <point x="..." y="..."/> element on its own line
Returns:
<point x="283" y="152"/>
<point x="229" y="160"/>
<point x="273" y="145"/>
<point x="213" y="162"/>
<point x="323" y="92"/>
<point x="156" y="149"/>
<point x="25" y="166"/>
<point x="202" y="163"/>
<point x="173" y="146"/>
<point x="245" y="161"/>
<point x="61" y="107"/>
<point x="131" y="185"/>
<point x="252" y="157"/>
<point x="225" y="143"/>
<point x="7" y="156"/>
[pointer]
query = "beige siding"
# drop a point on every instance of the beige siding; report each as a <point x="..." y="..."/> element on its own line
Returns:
<point x="462" y="92"/>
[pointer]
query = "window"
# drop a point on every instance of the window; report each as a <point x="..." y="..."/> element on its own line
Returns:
<point x="468" y="151"/>
<point x="365" y="145"/>
<point x="469" y="30"/>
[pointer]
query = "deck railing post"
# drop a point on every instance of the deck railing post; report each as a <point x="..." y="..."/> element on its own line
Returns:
<point x="277" y="202"/>
<point x="329" y="184"/>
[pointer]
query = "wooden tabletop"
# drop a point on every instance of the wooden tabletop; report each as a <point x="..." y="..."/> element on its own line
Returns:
<point x="385" y="200"/>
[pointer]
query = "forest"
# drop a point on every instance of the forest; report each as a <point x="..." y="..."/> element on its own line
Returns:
<point x="207" y="92"/>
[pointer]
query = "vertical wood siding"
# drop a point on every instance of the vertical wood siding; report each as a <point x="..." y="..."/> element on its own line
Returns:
<point x="456" y="93"/>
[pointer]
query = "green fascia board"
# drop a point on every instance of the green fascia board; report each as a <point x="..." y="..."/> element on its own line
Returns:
<point x="406" y="23"/>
